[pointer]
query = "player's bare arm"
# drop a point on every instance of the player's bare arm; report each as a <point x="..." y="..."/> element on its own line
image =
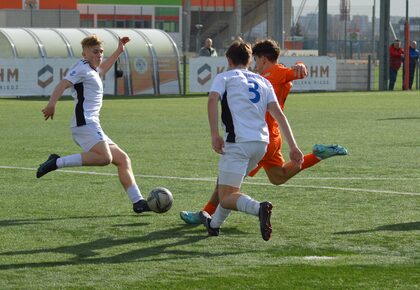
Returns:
<point x="109" y="62"/>
<point x="212" y="110"/>
<point x="296" y="155"/>
<point x="49" y="110"/>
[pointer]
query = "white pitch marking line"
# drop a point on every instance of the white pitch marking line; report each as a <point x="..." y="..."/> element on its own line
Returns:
<point x="318" y="258"/>
<point x="214" y="179"/>
<point x="351" y="178"/>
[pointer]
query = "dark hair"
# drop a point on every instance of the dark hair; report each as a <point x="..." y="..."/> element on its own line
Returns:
<point x="239" y="53"/>
<point x="268" y="48"/>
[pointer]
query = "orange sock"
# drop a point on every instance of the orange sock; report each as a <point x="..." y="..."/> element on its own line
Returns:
<point x="210" y="208"/>
<point x="309" y="160"/>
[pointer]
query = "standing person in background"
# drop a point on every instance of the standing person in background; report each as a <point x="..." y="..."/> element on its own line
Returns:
<point x="207" y="49"/>
<point x="395" y="60"/>
<point x="413" y="60"/>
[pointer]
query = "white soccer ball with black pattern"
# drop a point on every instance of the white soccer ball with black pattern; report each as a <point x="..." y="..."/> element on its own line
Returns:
<point x="160" y="200"/>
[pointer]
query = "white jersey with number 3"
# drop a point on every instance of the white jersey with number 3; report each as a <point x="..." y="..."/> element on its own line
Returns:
<point x="244" y="97"/>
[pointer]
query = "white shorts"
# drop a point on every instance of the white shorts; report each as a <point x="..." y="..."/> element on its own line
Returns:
<point x="239" y="159"/>
<point x="89" y="135"/>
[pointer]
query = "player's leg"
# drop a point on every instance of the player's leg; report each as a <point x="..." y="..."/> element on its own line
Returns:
<point x="232" y="199"/>
<point x="193" y="218"/>
<point x="279" y="173"/>
<point x="237" y="161"/>
<point x="94" y="143"/>
<point x="125" y="173"/>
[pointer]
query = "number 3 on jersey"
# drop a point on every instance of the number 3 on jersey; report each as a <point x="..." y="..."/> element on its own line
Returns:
<point x="253" y="89"/>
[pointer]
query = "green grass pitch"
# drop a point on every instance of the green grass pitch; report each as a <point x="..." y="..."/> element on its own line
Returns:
<point x="348" y="223"/>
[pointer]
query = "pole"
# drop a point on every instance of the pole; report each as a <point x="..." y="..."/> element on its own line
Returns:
<point x="369" y="72"/>
<point x="373" y="29"/>
<point x="184" y="72"/>
<point x="279" y="22"/>
<point x="345" y="37"/>
<point x="383" y="53"/>
<point x="406" y="48"/>
<point x="322" y="27"/>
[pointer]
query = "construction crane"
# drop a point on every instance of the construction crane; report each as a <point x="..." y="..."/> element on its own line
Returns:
<point x="297" y="17"/>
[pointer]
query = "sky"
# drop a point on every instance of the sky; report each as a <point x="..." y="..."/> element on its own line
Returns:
<point x="363" y="7"/>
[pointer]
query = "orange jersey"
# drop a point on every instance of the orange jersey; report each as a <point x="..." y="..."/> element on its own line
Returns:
<point x="281" y="78"/>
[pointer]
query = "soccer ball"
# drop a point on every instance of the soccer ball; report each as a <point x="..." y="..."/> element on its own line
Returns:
<point x="160" y="200"/>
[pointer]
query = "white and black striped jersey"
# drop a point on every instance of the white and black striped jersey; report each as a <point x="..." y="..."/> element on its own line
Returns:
<point x="87" y="92"/>
<point x="244" y="98"/>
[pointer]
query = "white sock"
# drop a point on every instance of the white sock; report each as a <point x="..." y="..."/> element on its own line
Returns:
<point x="248" y="205"/>
<point x="69" y="161"/>
<point x="134" y="193"/>
<point x="219" y="217"/>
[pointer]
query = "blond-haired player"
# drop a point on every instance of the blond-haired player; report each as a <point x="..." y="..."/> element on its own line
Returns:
<point x="85" y="81"/>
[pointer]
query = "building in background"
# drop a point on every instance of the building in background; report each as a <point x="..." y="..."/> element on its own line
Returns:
<point x="163" y="14"/>
<point x="39" y="13"/>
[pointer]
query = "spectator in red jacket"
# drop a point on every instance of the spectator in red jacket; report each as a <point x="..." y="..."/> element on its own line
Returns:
<point x="395" y="60"/>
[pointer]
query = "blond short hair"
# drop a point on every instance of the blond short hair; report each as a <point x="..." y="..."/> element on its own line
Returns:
<point x="91" y="40"/>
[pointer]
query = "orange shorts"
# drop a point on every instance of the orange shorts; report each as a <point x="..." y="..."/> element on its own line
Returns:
<point x="272" y="157"/>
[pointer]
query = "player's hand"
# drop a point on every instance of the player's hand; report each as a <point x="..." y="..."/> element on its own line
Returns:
<point x="48" y="112"/>
<point x="122" y="42"/>
<point x="218" y="144"/>
<point x="300" y="70"/>
<point x="296" y="156"/>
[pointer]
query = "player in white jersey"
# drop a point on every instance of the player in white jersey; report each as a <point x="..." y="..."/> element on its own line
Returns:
<point x="85" y="79"/>
<point x="245" y="98"/>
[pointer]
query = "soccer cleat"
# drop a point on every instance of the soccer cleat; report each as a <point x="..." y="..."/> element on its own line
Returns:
<point x="141" y="206"/>
<point x="190" y="217"/>
<point x="265" y="223"/>
<point x="327" y="151"/>
<point x="47" y="166"/>
<point x="206" y="220"/>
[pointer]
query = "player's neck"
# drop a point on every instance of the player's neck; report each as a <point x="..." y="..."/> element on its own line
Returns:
<point x="239" y="67"/>
<point x="268" y="65"/>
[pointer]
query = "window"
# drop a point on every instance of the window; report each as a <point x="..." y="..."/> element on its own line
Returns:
<point x="167" y="18"/>
<point x="86" y="23"/>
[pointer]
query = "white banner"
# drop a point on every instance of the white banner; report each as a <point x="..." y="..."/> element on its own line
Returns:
<point x="321" y="72"/>
<point x="38" y="77"/>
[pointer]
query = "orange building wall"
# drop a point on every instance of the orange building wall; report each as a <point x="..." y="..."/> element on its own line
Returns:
<point x="11" y="4"/>
<point x="58" y="4"/>
<point x="43" y="4"/>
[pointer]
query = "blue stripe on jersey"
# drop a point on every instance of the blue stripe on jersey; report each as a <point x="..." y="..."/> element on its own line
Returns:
<point x="227" y="120"/>
<point x="79" y="111"/>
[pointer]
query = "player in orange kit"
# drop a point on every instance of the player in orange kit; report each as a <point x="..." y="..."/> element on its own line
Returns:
<point x="266" y="53"/>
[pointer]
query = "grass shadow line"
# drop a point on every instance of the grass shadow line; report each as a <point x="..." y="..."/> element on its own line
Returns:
<point x="401" y="227"/>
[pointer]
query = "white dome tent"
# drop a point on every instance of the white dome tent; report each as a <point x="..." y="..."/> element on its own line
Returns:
<point x="34" y="60"/>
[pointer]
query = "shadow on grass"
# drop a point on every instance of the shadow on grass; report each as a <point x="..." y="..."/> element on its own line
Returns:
<point x="112" y="97"/>
<point x="399" y="118"/>
<point x="88" y="253"/>
<point x="413" y="226"/>
<point x="19" y="222"/>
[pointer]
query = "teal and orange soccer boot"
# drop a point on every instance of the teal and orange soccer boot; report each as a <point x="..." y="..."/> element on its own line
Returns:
<point x="190" y="217"/>
<point x="327" y="151"/>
